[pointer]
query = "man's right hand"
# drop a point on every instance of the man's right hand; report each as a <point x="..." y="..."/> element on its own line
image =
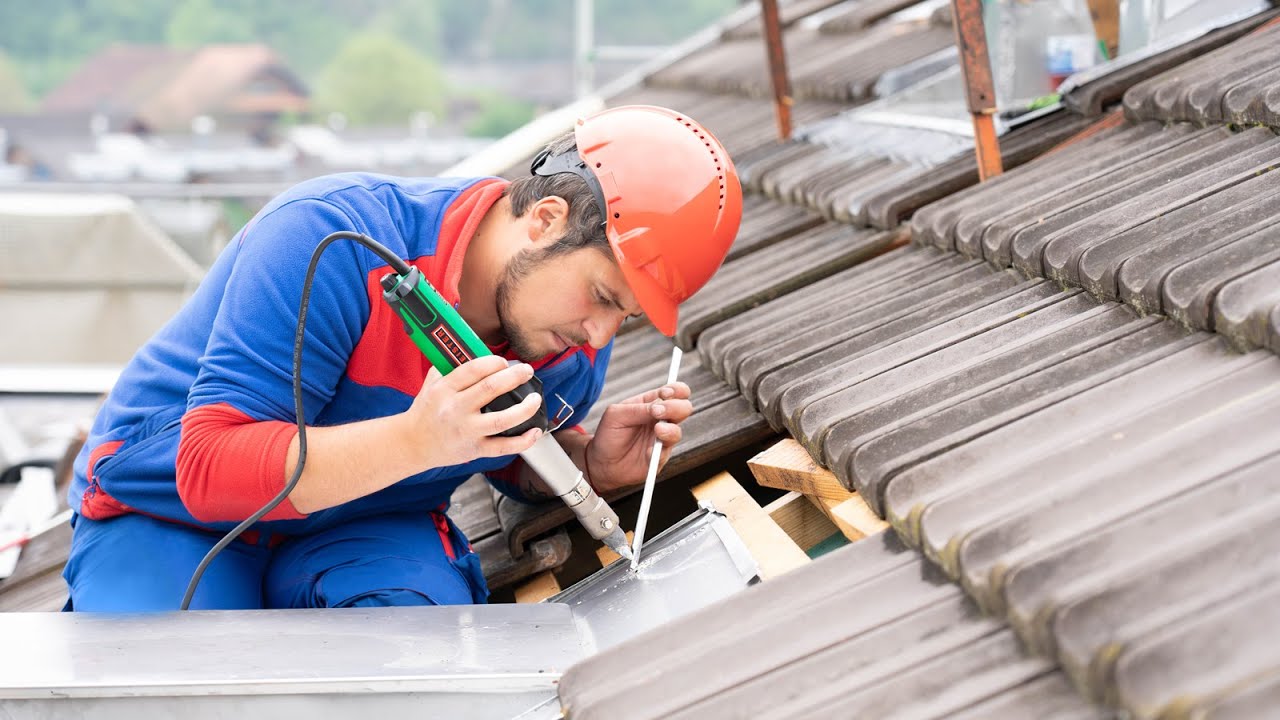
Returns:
<point x="444" y="426"/>
<point x="447" y="420"/>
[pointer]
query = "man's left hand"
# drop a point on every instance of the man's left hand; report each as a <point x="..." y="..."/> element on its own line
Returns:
<point x="618" y="455"/>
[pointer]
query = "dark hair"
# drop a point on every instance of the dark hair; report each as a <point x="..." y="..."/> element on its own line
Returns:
<point x="585" y="224"/>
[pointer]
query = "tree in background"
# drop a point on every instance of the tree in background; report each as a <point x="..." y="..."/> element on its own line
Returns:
<point x="498" y="115"/>
<point x="377" y="79"/>
<point x="200" y="22"/>
<point x="14" y="97"/>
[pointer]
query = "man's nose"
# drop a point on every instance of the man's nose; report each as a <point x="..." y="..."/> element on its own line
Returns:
<point x="601" y="327"/>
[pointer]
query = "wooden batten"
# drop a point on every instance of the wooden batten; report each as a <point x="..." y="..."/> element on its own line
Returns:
<point x="788" y="466"/>
<point x="539" y="588"/>
<point x="773" y="549"/>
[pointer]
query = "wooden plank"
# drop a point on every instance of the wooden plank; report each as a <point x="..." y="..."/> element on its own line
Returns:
<point x="853" y="517"/>
<point x="774" y="551"/>
<point x="541" y="587"/>
<point x="608" y="556"/>
<point x="788" y="466"/>
<point x="801" y="520"/>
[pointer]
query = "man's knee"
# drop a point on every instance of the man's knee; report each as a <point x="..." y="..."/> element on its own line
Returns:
<point x="391" y="581"/>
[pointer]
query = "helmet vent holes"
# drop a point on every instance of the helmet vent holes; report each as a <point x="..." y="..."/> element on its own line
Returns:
<point x="715" y="157"/>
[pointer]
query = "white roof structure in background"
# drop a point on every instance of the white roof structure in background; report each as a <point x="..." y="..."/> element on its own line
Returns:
<point x="84" y="279"/>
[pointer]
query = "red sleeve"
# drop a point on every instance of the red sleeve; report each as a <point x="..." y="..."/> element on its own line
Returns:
<point x="230" y="465"/>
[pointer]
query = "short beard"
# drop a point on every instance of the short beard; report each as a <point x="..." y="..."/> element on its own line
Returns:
<point x="518" y="343"/>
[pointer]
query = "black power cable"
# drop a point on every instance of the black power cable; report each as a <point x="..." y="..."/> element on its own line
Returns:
<point x="401" y="268"/>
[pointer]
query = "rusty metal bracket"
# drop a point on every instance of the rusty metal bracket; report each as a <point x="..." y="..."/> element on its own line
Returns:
<point x="782" y="100"/>
<point x="971" y="39"/>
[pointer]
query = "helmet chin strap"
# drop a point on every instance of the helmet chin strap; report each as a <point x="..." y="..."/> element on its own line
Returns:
<point x="546" y="165"/>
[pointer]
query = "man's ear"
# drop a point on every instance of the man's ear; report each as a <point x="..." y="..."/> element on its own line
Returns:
<point x="548" y="220"/>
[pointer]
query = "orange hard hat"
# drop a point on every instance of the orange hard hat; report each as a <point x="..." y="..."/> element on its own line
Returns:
<point x="671" y="199"/>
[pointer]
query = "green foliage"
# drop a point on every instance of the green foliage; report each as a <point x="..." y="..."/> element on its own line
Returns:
<point x="416" y="22"/>
<point x="200" y="22"/>
<point x="378" y="79"/>
<point x="499" y="115"/>
<point x="48" y="40"/>
<point x="13" y="93"/>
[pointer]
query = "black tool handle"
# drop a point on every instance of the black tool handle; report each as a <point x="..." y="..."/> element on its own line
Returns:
<point x="515" y="397"/>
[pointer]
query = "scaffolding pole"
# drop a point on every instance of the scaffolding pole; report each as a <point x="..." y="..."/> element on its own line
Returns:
<point x="971" y="39"/>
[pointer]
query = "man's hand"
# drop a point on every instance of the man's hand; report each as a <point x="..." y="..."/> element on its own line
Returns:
<point x="618" y="455"/>
<point x="447" y="420"/>
<point x="444" y="426"/>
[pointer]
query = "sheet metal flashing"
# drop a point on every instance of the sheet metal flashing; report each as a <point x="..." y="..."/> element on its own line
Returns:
<point x="695" y="563"/>
<point x="496" y="661"/>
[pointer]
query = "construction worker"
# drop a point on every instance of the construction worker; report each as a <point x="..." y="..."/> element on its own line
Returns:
<point x="629" y="214"/>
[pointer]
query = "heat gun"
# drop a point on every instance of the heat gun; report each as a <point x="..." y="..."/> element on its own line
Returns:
<point x="447" y="341"/>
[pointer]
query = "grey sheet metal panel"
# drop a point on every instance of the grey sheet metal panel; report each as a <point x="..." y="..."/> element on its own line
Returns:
<point x="694" y="563"/>
<point x="889" y="454"/>
<point x="1190" y="291"/>
<point x="776" y="270"/>
<point x="1241" y="309"/>
<point x="960" y="357"/>
<point x="485" y="661"/>
<point x="594" y="687"/>
<point x="1232" y="650"/>
<point x="1105" y="480"/>
<point x="1034" y="587"/>
<point x="859" y="15"/>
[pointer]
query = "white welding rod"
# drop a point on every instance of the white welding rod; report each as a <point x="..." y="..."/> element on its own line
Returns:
<point x="652" y="476"/>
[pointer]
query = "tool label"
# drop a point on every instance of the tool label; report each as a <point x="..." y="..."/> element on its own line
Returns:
<point x="449" y="344"/>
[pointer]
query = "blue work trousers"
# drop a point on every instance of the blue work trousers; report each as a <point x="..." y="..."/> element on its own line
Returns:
<point x="136" y="563"/>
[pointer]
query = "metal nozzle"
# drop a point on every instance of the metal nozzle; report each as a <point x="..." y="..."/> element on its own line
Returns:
<point x="617" y="542"/>
<point x="553" y="465"/>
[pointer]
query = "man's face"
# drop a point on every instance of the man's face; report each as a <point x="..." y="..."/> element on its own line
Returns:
<point x="547" y="304"/>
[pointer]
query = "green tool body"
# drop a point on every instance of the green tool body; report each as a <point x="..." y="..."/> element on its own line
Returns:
<point x="446" y="339"/>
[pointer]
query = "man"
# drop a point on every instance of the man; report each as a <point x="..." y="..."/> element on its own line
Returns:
<point x="630" y="214"/>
